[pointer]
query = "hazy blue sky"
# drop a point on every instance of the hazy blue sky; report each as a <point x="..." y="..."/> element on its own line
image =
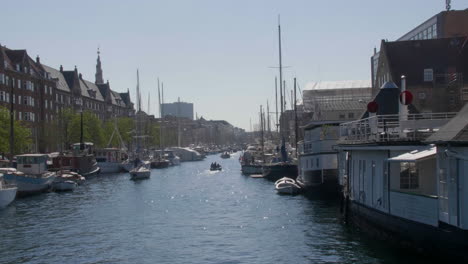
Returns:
<point x="215" y="54"/>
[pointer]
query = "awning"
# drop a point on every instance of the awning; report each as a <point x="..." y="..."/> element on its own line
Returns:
<point x="415" y="155"/>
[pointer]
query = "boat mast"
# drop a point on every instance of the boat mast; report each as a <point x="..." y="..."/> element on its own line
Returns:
<point x="276" y="103"/>
<point x="178" y="123"/>
<point x="160" y="118"/>
<point x="283" y="147"/>
<point x="12" y="122"/>
<point x="295" y="116"/>
<point x="261" y="134"/>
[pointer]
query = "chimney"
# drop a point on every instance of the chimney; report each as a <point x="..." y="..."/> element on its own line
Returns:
<point x="76" y="70"/>
<point x="38" y="60"/>
<point x="81" y="76"/>
<point x="61" y="68"/>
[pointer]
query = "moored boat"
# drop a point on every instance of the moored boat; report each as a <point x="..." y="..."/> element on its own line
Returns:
<point x="7" y="192"/>
<point x="63" y="186"/>
<point x="318" y="161"/>
<point x="141" y="171"/>
<point x="110" y="160"/>
<point x="31" y="175"/>
<point x="79" y="159"/>
<point x="287" y="186"/>
<point x="276" y="171"/>
<point x="403" y="175"/>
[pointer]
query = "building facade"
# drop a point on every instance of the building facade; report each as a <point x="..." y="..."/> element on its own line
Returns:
<point x="446" y="24"/>
<point x="39" y="93"/>
<point x="434" y="71"/>
<point x="177" y="109"/>
<point x="337" y="100"/>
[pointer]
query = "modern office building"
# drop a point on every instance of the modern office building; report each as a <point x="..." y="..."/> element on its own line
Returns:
<point x="177" y="109"/>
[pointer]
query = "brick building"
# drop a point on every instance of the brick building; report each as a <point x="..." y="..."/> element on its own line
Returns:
<point x="39" y="92"/>
<point x="434" y="70"/>
<point x="446" y="24"/>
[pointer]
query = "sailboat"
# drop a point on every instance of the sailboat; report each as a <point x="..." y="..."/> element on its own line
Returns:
<point x="112" y="160"/>
<point x="282" y="166"/>
<point x="142" y="167"/>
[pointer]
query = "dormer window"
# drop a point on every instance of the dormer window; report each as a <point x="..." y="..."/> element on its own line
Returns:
<point x="428" y="75"/>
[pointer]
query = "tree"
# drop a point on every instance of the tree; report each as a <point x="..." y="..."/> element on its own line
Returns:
<point x="125" y="126"/>
<point x="92" y="129"/>
<point x="22" y="134"/>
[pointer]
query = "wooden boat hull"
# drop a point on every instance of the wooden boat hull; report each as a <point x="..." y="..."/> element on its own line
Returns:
<point x="275" y="172"/>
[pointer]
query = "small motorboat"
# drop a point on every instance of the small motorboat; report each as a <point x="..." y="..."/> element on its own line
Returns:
<point x="287" y="186"/>
<point x="66" y="175"/>
<point x="141" y="171"/>
<point x="215" y="167"/>
<point x="64" y="185"/>
<point x="225" y="155"/>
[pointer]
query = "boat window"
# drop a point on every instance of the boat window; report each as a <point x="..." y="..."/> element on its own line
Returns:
<point x="409" y="176"/>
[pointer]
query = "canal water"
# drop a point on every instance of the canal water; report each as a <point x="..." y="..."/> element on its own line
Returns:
<point x="184" y="214"/>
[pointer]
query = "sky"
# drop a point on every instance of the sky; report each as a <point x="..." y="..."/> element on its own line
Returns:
<point x="217" y="54"/>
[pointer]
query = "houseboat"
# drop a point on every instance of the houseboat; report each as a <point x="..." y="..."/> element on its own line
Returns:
<point x="403" y="177"/>
<point x="110" y="160"/>
<point x="79" y="159"/>
<point x="31" y="175"/>
<point x="318" y="160"/>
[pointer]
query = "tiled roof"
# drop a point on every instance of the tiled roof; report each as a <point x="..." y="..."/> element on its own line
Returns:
<point x="56" y="74"/>
<point x="330" y="85"/>
<point x="89" y="89"/>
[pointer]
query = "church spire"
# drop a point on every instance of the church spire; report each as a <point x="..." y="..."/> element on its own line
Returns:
<point x="99" y="79"/>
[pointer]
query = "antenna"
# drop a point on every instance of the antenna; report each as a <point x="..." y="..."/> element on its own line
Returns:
<point x="447" y="5"/>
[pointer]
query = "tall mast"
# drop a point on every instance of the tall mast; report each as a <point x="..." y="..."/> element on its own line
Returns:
<point x="160" y="117"/>
<point x="276" y="102"/>
<point x="178" y="122"/>
<point x="261" y="133"/>
<point x="159" y="100"/>
<point x="284" y="95"/>
<point x="12" y="122"/>
<point x="295" y="116"/>
<point x="268" y="119"/>
<point x="280" y="75"/>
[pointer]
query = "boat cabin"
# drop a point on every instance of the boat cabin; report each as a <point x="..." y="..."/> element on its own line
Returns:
<point x="110" y="155"/>
<point x="32" y="163"/>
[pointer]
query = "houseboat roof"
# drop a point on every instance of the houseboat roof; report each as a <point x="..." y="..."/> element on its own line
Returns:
<point x="315" y="124"/>
<point x="32" y="155"/>
<point x="415" y="155"/>
<point x="455" y="131"/>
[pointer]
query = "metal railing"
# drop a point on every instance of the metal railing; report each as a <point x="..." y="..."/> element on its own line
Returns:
<point x="386" y="128"/>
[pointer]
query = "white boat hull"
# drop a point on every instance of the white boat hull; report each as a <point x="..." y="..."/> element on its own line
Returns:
<point x="62" y="186"/>
<point x="30" y="184"/>
<point x="141" y="172"/>
<point x="110" y="167"/>
<point x="7" y="195"/>
<point x="287" y="186"/>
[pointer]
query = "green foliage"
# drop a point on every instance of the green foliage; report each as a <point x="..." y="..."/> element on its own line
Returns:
<point x="125" y="126"/>
<point x="92" y="129"/>
<point x="154" y="135"/>
<point x="22" y="134"/>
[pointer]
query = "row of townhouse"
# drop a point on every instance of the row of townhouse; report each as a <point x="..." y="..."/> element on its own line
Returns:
<point x="39" y="93"/>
